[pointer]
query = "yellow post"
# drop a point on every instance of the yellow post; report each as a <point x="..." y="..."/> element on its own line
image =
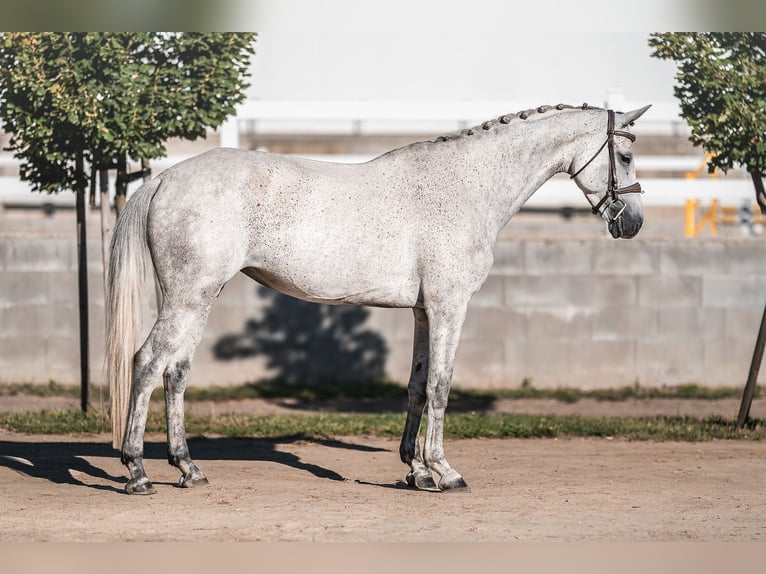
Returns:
<point x="690" y="215"/>
<point x="710" y="218"/>
<point x="692" y="227"/>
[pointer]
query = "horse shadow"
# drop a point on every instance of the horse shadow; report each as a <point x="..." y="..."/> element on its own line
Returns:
<point x="326" y="358"/>
<point x="62" y="462"/>
<point x="309" y="343"/>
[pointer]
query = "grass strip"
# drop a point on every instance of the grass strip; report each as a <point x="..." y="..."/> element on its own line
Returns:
<point x="390" y="390"/>
<point x="457" y="425"/>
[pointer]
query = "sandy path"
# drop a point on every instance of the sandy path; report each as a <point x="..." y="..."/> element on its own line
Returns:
<point x="69" y="488"/>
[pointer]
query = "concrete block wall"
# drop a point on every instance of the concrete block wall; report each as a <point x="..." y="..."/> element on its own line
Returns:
<point x="584" y="313"/>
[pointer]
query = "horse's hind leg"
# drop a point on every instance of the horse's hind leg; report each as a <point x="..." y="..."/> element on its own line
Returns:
<point x="174" y="381"/>
<point x="409" y="449"/>
<point x="169" y="335"/>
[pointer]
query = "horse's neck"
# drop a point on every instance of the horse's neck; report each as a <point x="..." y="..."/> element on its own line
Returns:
<point x="518" y="160"/>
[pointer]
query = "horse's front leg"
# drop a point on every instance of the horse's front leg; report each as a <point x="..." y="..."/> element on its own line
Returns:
<point x="445" y="325"/>
<point x="409" y="449"/>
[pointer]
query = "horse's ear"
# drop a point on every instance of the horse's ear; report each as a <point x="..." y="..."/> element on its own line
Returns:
<point x="629" y="117"/>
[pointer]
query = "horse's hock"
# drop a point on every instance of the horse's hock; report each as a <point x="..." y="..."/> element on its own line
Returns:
<point x="581" y="313"/>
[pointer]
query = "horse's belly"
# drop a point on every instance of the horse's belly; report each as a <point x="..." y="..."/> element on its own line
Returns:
<point x="391" y="291"/>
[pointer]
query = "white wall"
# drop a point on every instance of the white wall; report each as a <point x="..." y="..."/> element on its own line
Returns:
<point x="449" y="50"/>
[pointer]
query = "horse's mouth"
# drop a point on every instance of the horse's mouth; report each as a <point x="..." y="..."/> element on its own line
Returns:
<point x="615" y="228"/>
<point x="619" y="230"/>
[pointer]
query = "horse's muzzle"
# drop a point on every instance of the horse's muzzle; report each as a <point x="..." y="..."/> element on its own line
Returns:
<point x="626" y="224"/>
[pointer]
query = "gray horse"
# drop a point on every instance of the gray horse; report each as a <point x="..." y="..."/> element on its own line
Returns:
<point x="415" y="227"/>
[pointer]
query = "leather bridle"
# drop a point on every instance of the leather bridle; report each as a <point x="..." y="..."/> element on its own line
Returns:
<point x="611" y="197"/>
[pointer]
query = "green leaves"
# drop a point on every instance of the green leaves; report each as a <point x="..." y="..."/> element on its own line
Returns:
<point x="113" y="93"/>
<point x="721" y="86"/>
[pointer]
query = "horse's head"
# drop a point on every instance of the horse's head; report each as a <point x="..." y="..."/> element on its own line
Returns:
<point x="607" y="174"/>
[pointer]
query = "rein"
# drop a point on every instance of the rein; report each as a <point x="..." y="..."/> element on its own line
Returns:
<point x="612" y="191"/>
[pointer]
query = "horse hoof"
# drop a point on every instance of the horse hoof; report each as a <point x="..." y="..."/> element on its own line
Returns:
<point x="421" y="481"/>
<point x="454" y="485"/>
<point x="190" y="482"/>
<point x="139" y="486"/>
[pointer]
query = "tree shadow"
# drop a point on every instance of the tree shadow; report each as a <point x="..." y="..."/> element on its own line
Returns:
<point x="61" y="462"/>
<point x="309" y="343"/>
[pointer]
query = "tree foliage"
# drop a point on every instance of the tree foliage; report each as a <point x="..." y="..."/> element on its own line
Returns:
<point x="111" y="94"/>
<point x="721" y="86"/>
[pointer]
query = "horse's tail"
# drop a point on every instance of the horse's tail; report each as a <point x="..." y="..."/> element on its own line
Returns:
<point x="128" y="260"/>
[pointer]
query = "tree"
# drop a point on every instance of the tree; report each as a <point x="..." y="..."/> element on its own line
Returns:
<point x="722" y="89"/>
<point x="113" y="95"/>
<point x="76" y="99"/>
<point x="721" y="86"/>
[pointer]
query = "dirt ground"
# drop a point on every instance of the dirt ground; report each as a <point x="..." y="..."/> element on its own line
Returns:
<point x="69" y="488"/>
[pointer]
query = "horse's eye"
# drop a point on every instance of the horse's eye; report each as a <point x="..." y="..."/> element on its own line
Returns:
<point x="626" y="158"/>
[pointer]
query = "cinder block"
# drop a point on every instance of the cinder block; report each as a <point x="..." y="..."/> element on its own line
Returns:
<point x="21" y="359"/>
<point x="564" y="322"/>
<point x="545" y="356"/>
<point x="479" y="364"/>
<point x="95" y="288"/>
<point x="623" y="322"/>
<point x="62" y="353"/>
<point x="60" y="286"/>
<point x="398" y="361"/>
<point x="601" y="359"/>
<point x="392" y="324"/>
<point x="491" y="293"/>
<point x="742" y="324"/>
<point x="601" y="290"/>
<point x="23" y="288"/>
<point x="20" y="351"/>
<point x="551" y="364"/>
<point x="690" y="322"/>
<point x="745" y="257"/>
<point x="692" y="257"/>
<point x="96" y="322"/>
<point x="558" y="257"/>
<point x="227" y="320"/>
<point x="28" y="320"/>
<point x="727" y="363"/>
<point x="38" y="254"/>
<point x="95" y="256"/>
<point x="536" y="291"/>
<point x="207" y="371"/>
<point x="669" y="361"/>
<point x="241" y="290"/>
<point x="515" y="362"/>
<point x="484" y="324"/>
<point x="509" y="258"/>
<point x="633" y="257"/>
<point x="734" y="291"/>
<point x="669" y="291"/>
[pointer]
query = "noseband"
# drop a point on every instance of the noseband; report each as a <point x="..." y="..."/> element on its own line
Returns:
<point x="612" y="191"/>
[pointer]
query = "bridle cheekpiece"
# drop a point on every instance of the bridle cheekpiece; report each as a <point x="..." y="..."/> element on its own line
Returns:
<point x="611" y="197"/>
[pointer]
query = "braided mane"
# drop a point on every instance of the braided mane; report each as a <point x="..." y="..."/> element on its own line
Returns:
<point x="507" y="119"/>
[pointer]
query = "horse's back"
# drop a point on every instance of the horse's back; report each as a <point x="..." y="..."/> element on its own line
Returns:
<point x="319" y="231"/>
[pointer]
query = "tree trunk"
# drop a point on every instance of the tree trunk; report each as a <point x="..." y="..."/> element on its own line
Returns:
<point x="121" y="185"/>
<point x="752" y="375"/>
<point x="760" y="194"/>
<point x="82" y="275"/>
<point x="106" y="222"/>
<point x="92" y="200"/>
